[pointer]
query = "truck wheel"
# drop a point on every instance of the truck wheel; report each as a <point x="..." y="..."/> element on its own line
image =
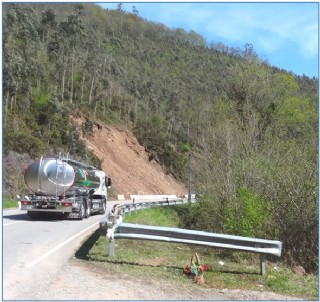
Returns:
<point x="104" y="207"/>
<point x="88" y="210"/>
<point x="82" y="212"/>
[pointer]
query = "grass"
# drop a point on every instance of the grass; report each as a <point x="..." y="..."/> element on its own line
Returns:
<point x="161" y="216"/>
<point x="163" y="260"/>
<point x="9" y="203"/>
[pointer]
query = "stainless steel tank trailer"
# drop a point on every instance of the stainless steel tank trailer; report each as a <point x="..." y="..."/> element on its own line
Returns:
<point x="62" y="185"/>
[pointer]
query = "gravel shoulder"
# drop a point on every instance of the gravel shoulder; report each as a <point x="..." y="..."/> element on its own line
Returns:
<point x="81" y="280"/>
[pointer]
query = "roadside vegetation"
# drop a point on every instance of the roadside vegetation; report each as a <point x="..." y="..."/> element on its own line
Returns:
<point x="159" y="260"/>
<point x="9" y="203"/>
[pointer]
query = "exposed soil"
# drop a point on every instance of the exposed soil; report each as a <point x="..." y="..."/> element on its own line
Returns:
<point x="128" y="163"/>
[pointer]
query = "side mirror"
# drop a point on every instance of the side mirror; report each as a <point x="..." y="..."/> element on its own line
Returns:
<point x="108" y="182"/>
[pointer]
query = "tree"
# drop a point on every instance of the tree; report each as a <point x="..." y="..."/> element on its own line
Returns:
<point x="120" y="8"/>
<point x="135" y="11"/>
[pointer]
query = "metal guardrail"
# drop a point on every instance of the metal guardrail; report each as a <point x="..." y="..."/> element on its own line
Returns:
<point x="247" y="244"/>
<point x="134" y="207"/>
<point x="111" y="221"/>
<point x="143" y="232"/>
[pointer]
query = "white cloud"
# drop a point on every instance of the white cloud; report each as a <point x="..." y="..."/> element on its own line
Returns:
<point x="309" y="40"/>
<point x="268" y="26"/>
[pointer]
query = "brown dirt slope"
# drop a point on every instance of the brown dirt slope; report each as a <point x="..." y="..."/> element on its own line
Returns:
<point x="128" y="164"/>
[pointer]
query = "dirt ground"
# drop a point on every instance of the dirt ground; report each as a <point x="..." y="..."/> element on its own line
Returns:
<point x="94" y="283"/>
<point x="128" y="164"/>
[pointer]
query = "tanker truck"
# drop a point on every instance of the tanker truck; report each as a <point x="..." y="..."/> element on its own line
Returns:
<point x="62" y="185"/>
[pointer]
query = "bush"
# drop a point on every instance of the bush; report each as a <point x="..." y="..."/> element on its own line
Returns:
<point x="24" y="143"/>
<point x="247" y="215"/>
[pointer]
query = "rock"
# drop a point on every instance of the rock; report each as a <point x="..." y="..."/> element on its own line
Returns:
<point x="14" y="167"/>
<point x="199" y="280"/>
<point x="298" y="270"/>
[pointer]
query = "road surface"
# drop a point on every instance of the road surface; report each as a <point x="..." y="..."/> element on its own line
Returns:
<point x="35" y="250"/>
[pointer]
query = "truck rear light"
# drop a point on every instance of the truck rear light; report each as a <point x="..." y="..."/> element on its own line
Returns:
<point x="25" y="203"/>
<point x="68" y="204"/>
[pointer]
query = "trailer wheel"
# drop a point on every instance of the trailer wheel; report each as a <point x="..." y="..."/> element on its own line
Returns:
<point x="82" y="212"/>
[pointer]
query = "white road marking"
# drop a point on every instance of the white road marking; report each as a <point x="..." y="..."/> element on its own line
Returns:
<point x="12" y="223"/>
<point x="59" y="246"/>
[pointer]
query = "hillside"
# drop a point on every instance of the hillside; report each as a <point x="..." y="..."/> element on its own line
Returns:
<point x="128" y="164"/>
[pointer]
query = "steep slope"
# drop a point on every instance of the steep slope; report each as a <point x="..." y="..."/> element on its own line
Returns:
<point x="128" y="164"/>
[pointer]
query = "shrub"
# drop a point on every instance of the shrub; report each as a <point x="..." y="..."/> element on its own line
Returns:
<point x="247" y="215"/>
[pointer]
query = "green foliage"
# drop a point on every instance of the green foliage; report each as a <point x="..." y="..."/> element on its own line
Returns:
<point x="87" y="128"/>
<point x="247" y="215"/>
<point x="41" y="99"/>
<point x="186" y="148"/>
<point x="203" y="215"/>
<point x="8" y="203"/>
<point x="26" y="142"/>
<point x="93" y="159"/>
<point x="22" y="140"/>
<point x="294" y="116"/>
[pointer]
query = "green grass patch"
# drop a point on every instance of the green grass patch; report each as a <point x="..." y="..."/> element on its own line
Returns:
<point x="283" y="280"/>
<point x="159" y="216"/>
<point x="162" y="260"/>
<point x="9" y="203"/>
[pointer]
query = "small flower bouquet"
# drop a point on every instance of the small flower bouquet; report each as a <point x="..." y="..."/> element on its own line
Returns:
<point x="195" y="269"/>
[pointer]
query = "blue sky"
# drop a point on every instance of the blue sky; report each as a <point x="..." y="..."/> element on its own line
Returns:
<point x="284" y="34"/>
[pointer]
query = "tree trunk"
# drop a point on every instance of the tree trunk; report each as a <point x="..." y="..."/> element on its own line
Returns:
<point x="6" y="110"/>
<point x="62" y="84"/>
<point x="91" y="89"/>
<point x="15" y="95"/>
<point x="82" y="85"/>
<point x="72" y="67"/>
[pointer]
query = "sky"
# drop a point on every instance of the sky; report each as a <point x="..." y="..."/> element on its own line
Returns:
<point x="285" y="34"/>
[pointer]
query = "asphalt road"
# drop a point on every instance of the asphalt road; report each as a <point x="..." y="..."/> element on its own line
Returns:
<point x="35" y="250"/>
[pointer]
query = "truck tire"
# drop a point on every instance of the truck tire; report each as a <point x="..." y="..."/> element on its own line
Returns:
<point x="82" y="212"/>
<point x="88" y="209"/>
<point x="104" y="207"/>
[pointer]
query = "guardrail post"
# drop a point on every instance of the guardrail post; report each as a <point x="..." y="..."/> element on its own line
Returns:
<point x="111" y="247"/>
<point x="262" y="264"/>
